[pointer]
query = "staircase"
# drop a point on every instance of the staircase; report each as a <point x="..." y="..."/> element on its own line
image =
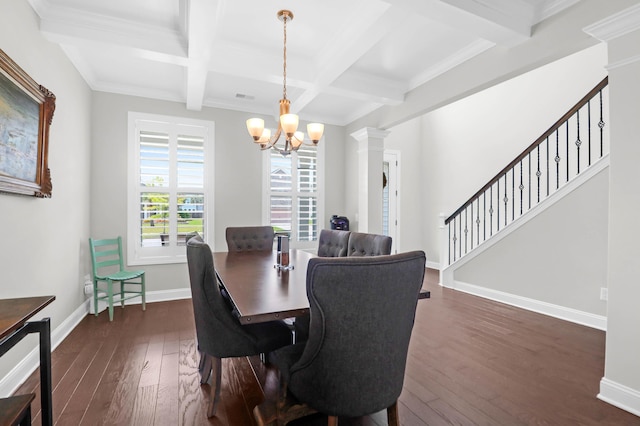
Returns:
<point x="556" y="264"/>
<point x="568" y="149"/>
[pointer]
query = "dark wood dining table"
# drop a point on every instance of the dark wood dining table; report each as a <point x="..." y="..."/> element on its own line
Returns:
<point x="259" y="291"/>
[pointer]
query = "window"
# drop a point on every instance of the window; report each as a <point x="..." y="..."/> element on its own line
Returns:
<point x="168" y="195"/>
<point x="293" y="195"/>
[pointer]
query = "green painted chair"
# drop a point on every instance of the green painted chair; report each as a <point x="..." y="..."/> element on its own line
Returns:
<point x="108" y="267"/>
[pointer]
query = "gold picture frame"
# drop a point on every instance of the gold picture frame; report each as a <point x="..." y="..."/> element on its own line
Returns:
<point x="26" y="112"/>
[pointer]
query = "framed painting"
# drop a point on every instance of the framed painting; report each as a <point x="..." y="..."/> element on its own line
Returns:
<point x="26" y="111"/>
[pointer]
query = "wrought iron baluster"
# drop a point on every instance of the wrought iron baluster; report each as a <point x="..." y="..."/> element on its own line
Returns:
<point x="450" y="243"/>
<point x="455" y="239"/>
<point x="521" y="187"/>
<point x="478" y="224"/>
<point x="466" y="231"/>
<point x="471" y="226"/>
<point x="491" y="210"/>
<point x="557" y="159"/>
<point x="538" y="173"/>
<point x="484" y="216"/>
<point x="529" y="157"/>
<point x="460" y="234"/>
<point x="506" y="200"/>
<point x="548" y="167"/>
<point x="578" y="141"/>
<point x="513" y="193"/>
<point x="589" y="129"/>
<point x="498" y="206"/>
<point x="601" y="125"/>
<point x="567" y="145"/>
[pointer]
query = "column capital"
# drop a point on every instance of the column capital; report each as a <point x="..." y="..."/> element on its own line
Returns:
<point x="367" y="133"/>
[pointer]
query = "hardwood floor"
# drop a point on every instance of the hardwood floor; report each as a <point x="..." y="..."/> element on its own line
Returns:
<point x="471" y="362"/>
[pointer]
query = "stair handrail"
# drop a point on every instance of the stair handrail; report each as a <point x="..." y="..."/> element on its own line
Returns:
<point x="531" y="147"/>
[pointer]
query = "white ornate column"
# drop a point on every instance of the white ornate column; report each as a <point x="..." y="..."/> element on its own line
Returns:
<point x="370" y="160"/>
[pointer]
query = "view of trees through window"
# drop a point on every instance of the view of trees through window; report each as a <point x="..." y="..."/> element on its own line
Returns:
<point x="172" y="182"/>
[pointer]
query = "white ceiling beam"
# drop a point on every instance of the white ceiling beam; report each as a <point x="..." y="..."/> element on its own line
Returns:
<point x="504" y="22"/>
<point x="347" y="47"/>
<point x="64" y="25"/>
<point x="203" y="20"/>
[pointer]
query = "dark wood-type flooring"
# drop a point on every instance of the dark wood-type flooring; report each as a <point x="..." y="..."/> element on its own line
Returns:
<point x="471" y="362"/>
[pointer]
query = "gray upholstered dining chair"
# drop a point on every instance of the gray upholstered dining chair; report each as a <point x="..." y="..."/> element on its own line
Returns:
<point x="333" y="243"/>
<point x="249" y="238"/>
<point x="363" y="244"/>
<point x="219" y="333"/>
<point x="362" y="314"/>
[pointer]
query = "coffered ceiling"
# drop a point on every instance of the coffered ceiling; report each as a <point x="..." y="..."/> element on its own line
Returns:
<point x="345" y="59"/>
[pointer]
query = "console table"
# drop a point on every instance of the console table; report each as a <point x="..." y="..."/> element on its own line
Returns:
<point x="15" y="325"/>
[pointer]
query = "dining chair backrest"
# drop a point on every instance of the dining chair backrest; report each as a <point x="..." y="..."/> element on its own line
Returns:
<point x="219" y="332"/>
<point x="106" y="256"/>
<point x="362" y="314"/>
<point x="364" y="244"/>
<point x="333" y="243"/>
<point x="249" y="238"/>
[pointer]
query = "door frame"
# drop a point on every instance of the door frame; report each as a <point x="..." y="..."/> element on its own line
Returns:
<point x="392" y="156"/>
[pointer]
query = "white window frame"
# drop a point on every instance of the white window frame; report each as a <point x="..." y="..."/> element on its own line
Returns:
<point x="266" y="195"/>
<point x="171" y="253"/>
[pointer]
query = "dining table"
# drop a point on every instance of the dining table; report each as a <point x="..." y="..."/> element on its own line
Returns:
<point x="15" y="324"/>
<point x="258" y="289"/>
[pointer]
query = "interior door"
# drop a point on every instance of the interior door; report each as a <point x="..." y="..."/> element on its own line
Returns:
<point x="390" y="198"/>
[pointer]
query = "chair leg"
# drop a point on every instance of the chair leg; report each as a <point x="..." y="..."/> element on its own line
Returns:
<point x="122" y="294"/>
<point x="95" y="297"/>
<point x="202" y="359"/>
<point x="392" y="415"/>
<point x="332" y="421"/>
<point x="143" y="292"/>
<point x="110" y="298"/>
<point x="206" y="365"/>
<point x="216" y="364"/>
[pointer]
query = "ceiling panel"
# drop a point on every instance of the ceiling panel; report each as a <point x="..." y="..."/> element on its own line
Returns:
<point x="344" y="59"/>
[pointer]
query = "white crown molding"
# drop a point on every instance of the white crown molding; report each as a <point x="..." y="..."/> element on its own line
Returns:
<point x="367" y="133"/>
<point x="552" y="7"/>
<point x="615" y="25"/>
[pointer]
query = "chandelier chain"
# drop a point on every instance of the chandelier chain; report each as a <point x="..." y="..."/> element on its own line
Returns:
<point x="284" y="73"/>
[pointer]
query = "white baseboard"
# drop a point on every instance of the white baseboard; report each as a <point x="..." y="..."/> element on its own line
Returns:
<point x="152" y="296"/>
<point x="14" y="379"/>
<point x="568" y="314"/>
<point x="619" y="395"/>
<point x="433" y="265"/>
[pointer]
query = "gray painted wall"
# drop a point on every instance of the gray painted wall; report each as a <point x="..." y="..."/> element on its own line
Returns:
<point x="43" y="242"/>
<point x="559" y="257"/>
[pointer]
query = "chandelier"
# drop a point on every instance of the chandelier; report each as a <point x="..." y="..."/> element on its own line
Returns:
<point x="288" y="123"/>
